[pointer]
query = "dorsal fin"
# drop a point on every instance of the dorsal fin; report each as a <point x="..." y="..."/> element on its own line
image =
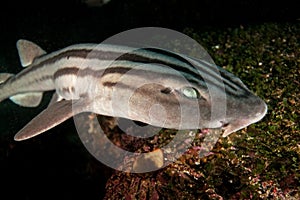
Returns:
<point x="28" y="51"/>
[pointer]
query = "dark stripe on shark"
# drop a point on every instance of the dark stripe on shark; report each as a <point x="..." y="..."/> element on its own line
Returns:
<point x="75" y="53"/>
<point x="123" y="70"/>
<point x="197" y="72"/>
<point x="216" y="74"/>
<point x="117" y="70"/>
<point x="89" y="72"/>
<point x="183" y="66"/>
<point x="221" y="75"/>
<point x="65" y="71"/>
<point x="110" y="55"/>
<point x="177" y="62"/>
<point x="132" y="56"/>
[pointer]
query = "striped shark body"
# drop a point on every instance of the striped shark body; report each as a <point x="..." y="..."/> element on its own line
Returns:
<point x="154" y="86"/>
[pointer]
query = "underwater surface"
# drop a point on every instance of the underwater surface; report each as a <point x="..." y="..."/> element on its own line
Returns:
<point x="257" y="42"/>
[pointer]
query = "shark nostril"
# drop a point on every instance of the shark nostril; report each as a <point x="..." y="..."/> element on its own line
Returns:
<point x="224" y="124"/>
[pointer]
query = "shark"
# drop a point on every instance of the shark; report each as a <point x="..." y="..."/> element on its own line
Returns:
<point x="151" y="85"/>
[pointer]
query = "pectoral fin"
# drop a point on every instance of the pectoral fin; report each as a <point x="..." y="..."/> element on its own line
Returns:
<point x="55" y="98"/>
<point x="55" y="114"/>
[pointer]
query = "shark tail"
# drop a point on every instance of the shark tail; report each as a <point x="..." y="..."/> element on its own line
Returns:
<point x="31" y="99"/>
<point x="28" y="51"/>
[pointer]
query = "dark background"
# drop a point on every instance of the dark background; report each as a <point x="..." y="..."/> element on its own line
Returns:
<point x="72" y="17"/>
<point x="57" y="165"/>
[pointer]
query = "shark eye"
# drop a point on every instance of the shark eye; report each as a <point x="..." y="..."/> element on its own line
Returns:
<point x="191" y="92"/>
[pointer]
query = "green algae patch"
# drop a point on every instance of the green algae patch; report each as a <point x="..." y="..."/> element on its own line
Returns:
<point x="258" y="162"/>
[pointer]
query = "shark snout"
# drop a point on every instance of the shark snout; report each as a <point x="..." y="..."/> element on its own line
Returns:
<point x="254" y="113"/>
<point x="259" y="110"/>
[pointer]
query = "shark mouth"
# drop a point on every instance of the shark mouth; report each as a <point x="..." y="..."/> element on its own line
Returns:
<point x="238" y="124"/>
<point x="231" y="127"/>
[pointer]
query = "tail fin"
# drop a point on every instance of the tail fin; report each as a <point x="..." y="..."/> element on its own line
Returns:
<point x="31" y="99"/>
<point x="28" y="51"/>
<point x="3" y="78"/>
